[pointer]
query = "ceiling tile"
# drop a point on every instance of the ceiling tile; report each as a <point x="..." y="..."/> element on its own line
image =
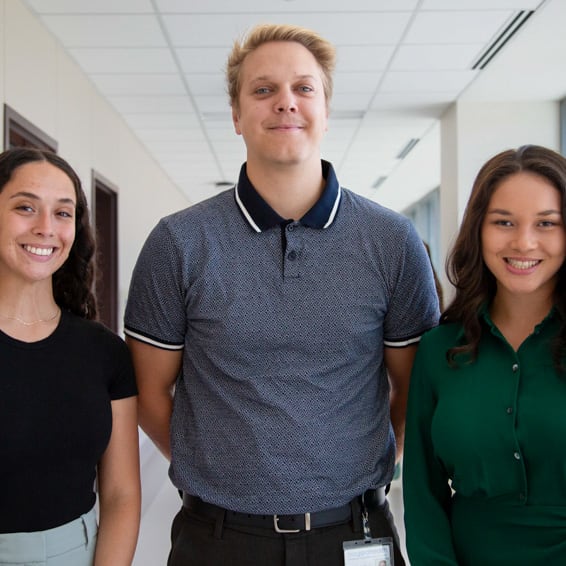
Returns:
<point x="212" y="104"/>
<point x="411" y="103"/>
<point x="202" y="59"/>
<point x="456" y="27"/>
<point x="134" y="84"/>
<point x="90" y="7"/>
<point x="170" y="145"/>
<point x="436" y="57"/>
<point x="356" y="82"/>
<point x="95" y="30"/>
<point x="219" y="6"/>
<point x="429" y="81"/>
<point x="349" y="101"/>
<point x="152" y="104"/>
<point x="347" y="28"/>
<point x="363" y="57"/>
<point x="184" y="135"/>
<point x="207" y="83"/>
<point x="481" y="4"/>
<point x="161" y="121"/>
<point x="104" y="60"/>
<point x="223" y="132"/>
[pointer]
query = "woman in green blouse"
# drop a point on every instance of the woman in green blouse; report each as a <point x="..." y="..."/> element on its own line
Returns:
<point x="484" y="472"/>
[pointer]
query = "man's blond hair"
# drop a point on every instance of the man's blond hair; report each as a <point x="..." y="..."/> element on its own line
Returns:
<point x="322" y="50"/>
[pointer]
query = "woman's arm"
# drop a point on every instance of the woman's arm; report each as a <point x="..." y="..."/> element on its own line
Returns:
<point x="119" y="488"/>
<point x="426" y="491"/>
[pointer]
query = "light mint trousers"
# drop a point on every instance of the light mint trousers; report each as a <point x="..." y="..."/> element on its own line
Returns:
<point x="68" y="545"/>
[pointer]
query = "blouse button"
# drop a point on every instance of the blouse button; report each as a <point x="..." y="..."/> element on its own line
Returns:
<point x="517" y="455"/>
<point x="515" y="367"/>
<point x="509" y="410"/>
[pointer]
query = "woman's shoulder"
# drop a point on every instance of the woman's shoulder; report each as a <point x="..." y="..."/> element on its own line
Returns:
<point x="442" y="336"/>
<point x="83" y="328"/>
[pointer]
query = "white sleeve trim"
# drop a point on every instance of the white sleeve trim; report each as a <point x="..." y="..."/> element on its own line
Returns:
<point x="151" y="341"/>
<point x="403" y="343"/>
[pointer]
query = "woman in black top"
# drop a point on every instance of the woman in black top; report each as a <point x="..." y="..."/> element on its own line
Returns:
<point x="67" y="389"/>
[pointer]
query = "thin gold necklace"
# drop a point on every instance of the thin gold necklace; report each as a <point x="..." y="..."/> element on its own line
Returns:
<point x="31" y="323"/>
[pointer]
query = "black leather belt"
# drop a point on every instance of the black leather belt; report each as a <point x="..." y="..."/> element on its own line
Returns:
<point x="284" y="523"/>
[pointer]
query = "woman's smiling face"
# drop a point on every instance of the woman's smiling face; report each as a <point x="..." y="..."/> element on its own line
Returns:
<point x="37" y="222"/>
<point x="523" y="235"/>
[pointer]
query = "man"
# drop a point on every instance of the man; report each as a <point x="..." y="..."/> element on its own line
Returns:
<point x="263" y="324"/>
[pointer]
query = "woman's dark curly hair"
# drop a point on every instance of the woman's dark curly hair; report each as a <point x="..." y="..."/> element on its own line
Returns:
<point x="475" y="285"/>
<point x="73" y="281"/>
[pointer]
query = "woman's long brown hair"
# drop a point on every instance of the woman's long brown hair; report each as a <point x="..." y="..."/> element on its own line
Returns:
<point x="474" y="283"/>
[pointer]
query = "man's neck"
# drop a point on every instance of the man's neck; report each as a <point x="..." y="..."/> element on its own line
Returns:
<point x="290" y="191"/>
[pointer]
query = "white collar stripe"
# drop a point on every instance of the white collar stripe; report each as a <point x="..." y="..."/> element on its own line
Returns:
<point x="245" y="212"/>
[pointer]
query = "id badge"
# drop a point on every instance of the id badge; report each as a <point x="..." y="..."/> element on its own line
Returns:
<point x="370" y="552"/>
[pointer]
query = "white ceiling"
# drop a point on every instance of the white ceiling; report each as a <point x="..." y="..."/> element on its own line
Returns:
<point x="160" y="64"/>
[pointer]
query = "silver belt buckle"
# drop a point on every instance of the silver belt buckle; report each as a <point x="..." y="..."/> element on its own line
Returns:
<point x="283" y="531"/>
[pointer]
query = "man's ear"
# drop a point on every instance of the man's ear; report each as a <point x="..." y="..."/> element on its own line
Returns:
<point x="236" y="120"/>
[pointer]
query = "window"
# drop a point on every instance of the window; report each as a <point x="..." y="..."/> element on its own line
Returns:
<point x="426" y="218"/>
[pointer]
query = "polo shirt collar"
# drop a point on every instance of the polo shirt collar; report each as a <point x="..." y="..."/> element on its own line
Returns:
<point x="261" y="216"/>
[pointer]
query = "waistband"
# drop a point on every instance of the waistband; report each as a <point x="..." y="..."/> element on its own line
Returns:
<point x="37" y="546"/>
<point x="372" y="498"/>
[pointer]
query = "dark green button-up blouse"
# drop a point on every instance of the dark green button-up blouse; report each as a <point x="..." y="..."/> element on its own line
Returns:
<point x="484" y="473"/>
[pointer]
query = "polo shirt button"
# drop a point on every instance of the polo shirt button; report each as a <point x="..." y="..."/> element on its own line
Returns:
<point x="517" y="455"/>
<point x="292" y="255"/>
<point x="515" y="367"/>
<point x="509" y="410"/>
<point x="290" y="227"/>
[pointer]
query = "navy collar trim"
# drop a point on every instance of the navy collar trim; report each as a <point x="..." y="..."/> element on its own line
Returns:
<point x="260" y="216"/>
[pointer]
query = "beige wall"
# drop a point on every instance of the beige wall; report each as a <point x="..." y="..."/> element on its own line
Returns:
<point x="42" y="83"/>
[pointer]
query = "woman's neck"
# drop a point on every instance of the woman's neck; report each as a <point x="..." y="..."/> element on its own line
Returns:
<point x="517" y="317"/>
<point x="28" y="312"/>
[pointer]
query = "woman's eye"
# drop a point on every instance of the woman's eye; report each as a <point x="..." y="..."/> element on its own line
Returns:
<point x="262" y="90"/>
<point x="25" y="208"/>
<point x="306" y="88"/>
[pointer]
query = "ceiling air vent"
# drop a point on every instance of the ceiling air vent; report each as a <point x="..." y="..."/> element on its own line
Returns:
<point x="408" y="148"/>
<point x="497" y="44"/>
<point x="378" y="182"/>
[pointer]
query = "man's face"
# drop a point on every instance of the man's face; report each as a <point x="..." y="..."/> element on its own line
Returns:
<point x="282" y="112"/>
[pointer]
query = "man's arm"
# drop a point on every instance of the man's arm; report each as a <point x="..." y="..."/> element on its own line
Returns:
<point x="156" y="372"/>
<point x="399" y="363"/>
